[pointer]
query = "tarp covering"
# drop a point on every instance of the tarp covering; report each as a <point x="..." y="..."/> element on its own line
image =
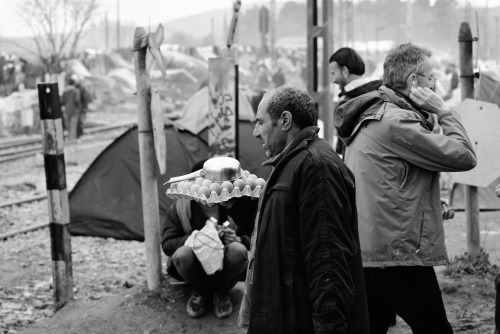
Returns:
<point x="489" y="87"/>
<point x="195" y="118"/>
<point x="488" y="200"/>
<point x="107" y="201"/>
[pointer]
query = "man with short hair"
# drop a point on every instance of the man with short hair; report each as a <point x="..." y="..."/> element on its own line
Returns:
<point x="396" y="159"/>
<point x="304" y="273"/>
<point x="347" y="69"/>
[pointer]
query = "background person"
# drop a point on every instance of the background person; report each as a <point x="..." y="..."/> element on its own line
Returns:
<point x="396" y="159"/>
<point x="347" y="69"/>
<point x="72" y="107"/>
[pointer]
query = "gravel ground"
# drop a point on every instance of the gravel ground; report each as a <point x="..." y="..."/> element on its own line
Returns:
<point x="108" y="272"/>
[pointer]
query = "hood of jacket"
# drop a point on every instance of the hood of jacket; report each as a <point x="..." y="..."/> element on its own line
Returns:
<point x="349" y="116"/>
<point x="360" y="87"/>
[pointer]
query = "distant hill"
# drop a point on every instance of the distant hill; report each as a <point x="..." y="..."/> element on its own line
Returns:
<point x="200" y="25"/>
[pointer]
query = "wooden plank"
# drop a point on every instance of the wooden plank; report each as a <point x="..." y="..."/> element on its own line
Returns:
<point x="159" y="131"/>
<point x="222" y="107"/>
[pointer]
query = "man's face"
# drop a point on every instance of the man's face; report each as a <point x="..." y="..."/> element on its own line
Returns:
<point x="269" y="132"/>
<point x="425" y="76"/>
<point x="339" y="74"/>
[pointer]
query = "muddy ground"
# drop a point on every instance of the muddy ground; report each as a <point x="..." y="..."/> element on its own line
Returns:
<point x="109" y="275"/>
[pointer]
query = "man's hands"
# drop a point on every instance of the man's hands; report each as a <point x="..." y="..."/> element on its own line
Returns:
<point x="446" y="211"/>
<point x="228" y="235"/>
<point x="429" y="101"/>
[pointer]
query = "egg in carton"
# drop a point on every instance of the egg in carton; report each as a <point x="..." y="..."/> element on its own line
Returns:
<point x="210" y="192"/>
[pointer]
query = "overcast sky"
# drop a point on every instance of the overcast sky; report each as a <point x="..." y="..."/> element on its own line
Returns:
<point x="144" y="11"/>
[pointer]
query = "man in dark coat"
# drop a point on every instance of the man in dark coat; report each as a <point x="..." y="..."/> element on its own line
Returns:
<point x="304" y="273"/>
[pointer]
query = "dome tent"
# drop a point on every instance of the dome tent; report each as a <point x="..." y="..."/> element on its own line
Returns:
<point x="107" y="200"/>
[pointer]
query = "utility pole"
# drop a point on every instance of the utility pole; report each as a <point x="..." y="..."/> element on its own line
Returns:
<point x="349" y="22"/>
<point x="321" y="95"/>
<point x="118" y="24"/>
<point x="224" y="25"/>
<point x="341" y="23"/>
<point x="272" y="22"/>
<point x="486" y="44"/>
<point x="497" y="50"/>
<point x="212" y="22"/>
<point x="409" y="20"/>
<point x="106" y="28"/>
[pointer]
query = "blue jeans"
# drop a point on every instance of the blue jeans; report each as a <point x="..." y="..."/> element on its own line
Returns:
<point x="183" y="265"/>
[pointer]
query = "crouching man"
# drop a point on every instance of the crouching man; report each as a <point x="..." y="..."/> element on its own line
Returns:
<point x="183" y="217"/>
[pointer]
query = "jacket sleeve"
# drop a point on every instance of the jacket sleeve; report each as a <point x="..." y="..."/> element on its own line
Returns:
<point x="243" y="213"/>
<point x="173" y="235"/>
<point x="328" y="241"/>
<point x="450" y="151"/>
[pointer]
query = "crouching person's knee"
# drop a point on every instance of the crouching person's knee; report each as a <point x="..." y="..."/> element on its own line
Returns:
<point x="183" y="257"/>
<point x="236" y="253"/>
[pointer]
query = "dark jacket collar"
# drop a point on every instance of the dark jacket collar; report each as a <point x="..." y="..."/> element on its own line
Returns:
<point x="305" y="135"/>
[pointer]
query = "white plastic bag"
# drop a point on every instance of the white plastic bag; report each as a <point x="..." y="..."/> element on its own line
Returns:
<point x="207" y="247"/>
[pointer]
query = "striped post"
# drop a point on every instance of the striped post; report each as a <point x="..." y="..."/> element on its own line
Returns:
<point x="55" y="176"/>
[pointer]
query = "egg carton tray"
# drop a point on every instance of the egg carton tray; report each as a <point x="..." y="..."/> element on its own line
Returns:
<point x="213" y="199"/>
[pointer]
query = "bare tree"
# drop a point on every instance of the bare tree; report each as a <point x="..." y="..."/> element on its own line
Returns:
<point x="57" y="26"/>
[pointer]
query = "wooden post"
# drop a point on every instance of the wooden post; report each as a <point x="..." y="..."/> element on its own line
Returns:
<point x="467" y="90"/>
<point x="149" y="185"/>
<point x="55" y="178"/>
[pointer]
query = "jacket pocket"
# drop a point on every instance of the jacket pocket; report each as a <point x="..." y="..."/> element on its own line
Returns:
<point x="404" y="174"/>
<point x="280" y="187"/>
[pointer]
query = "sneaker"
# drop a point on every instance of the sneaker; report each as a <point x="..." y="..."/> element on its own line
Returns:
<point x="222" y="305"/>
<point x="195" y="306"/>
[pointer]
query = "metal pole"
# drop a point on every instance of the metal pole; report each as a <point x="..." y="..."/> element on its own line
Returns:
<point x="55" y="178"/>
<point x="118" y="24"/>
<point x="272" y="23"/>
<point x="149" y="185"/>
<point x="467" y="90"/>
<point x="106" y="27"/>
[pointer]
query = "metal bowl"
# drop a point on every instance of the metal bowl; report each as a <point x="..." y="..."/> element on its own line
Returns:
<point x="216" y="169"/>
<point x="221" y="169"/>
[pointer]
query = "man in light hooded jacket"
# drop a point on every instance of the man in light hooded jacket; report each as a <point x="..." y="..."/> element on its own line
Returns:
<point x="396" y="159"/>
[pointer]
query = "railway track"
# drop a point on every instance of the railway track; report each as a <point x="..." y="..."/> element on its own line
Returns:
<point x="26" y="147"/>
<point x="21" y="148"/>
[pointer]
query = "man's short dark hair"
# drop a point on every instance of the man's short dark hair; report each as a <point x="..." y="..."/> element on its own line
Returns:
<point x="401" y="62"/>
<point x="295" y="100"/>
<point x="349" y="58"/>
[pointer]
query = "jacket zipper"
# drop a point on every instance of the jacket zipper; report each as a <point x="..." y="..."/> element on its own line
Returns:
<point x="421" y="231"/>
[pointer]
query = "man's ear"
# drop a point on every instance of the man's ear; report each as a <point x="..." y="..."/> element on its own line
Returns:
<point x="345" y="71"/>
<point x="412" y="80"/>
<point x="286" y="119"/>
